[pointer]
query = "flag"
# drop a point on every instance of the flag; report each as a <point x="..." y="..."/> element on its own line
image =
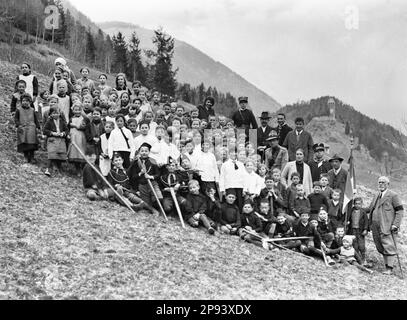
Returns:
<point x="350" y="187"/>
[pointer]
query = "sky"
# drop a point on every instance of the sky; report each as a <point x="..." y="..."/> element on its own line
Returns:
<point x="291" y="49"/>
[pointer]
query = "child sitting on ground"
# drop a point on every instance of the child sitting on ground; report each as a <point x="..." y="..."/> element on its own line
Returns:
<point x="169" y="180"/>
<point x="119" y="179"/>
<point x="195" y="208"/>
<point x="230" y="214"/>
<point x="213" y="206"/>
<point x="267" y="218"/>
<point x="284" y="229"/>
<point x="271" y="195"/>
<point x="326" y="227"/>
<point x="348" y="254"/>
<point x="251" y="223"/>
<point x="95" y="187"/>
<point x="304" y="229"/>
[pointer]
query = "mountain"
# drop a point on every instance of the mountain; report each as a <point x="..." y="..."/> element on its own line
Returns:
<point x="196" y="67"/>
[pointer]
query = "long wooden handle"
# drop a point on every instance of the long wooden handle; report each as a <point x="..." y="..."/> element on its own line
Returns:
<point x="156" y="198"/>
<point x="103" y="178"/>
<point x="174" y="198"/>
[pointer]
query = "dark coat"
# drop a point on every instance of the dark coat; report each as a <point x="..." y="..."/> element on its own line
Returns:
<point x="325" y="227"/>
<point x="307" y="231"/>
<point x="134" y="172"/>
<point x="282" y="132"/>
<point x="204" y="113"/>
<point x="262" y="136"/>
<point x="195" y="203"/>
<point x="230" y="214"/>
<point x="243" y="119"/>
<point x="253" y="221"/>
<point x="338" y="181"/>
<point x="305" y="142"/>
<point x="50" y="127"/>
<point x="285" y="230"/>
<point x="316" y="200"/>
<point x="316" y="171"/>
<point x="363" y="221"/>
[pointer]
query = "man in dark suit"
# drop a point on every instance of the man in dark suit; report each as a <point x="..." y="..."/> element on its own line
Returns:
<point x="299" y="139"/>
<point x="337" y="175"/>
<point x="319" y="164"/>
<point x="244" y="118"/>
<point x="282" y="129"/>
<point x="207" y="109"/>
<point x="263" y="132"/>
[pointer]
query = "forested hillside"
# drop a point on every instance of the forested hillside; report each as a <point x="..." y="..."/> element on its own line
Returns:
<point x="377" y="137"/>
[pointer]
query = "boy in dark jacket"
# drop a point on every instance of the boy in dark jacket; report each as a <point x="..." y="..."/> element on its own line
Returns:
<point x="317" y="199"/>
<point x="213" y="206"/>
<point x="230" y="214"/>
<point x="304" y="229"/>
<point x="358" y="224"/>
<point x="141" y="170"/>
<point x="171" y="179"/>
<point x="119" y="179"/>
<point x="267" y="219"/>
<point x="335" y="207"/>
<point x="299" y="204"/>
<point x="284" y="229"/>
<point x="195" y="208"/>
<point x="326" y="227"/>
<point x="250" y="222"/>
<point x="93" y="130"/>
<point x="272" y="195"/>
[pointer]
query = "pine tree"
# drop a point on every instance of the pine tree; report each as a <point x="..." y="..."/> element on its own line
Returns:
<point x="90" y="56"/>
<point x="120" y="53"/>
<point x="347" y="128"/>
<point x="164" y="76"/>
<point x="136" y="70"/>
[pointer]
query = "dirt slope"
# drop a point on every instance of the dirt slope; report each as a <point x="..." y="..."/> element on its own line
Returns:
<point x="56" y="244"/>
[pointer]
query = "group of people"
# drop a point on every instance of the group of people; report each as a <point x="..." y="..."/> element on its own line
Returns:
<point x="227" y="175"/>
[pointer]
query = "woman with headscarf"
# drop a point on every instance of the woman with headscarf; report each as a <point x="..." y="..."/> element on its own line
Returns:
<point x="61" y="62"/>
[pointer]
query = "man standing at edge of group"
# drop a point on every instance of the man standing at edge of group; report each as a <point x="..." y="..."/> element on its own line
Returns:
<point x="282" y="129"/>
<point x="386" y="211"/>
<point x="299" y="139"/>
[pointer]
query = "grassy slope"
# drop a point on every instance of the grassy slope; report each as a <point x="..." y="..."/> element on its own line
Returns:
<point x="56" y="244"/>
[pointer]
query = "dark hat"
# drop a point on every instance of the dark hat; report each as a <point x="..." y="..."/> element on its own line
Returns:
<point x="318" y="146"/>
<point x="265" y="115"/>
<point x="116" y="155"/>
<point x="272" y="136"/>
<point x="231" y="191"/>
<point x="243" y="99"/>
<point x="323" y="207"/>
<point x="145" y="144"/>
<point x="248" y="201"/>
<point x="211" y="99"/>
<point x="336" y="157"/>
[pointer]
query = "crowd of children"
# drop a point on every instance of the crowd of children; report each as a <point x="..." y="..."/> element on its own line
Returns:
<point x="150" y="151"/>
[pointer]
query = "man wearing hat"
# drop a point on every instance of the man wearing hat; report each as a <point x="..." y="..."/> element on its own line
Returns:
<point x="275" y="156"/>
<point x="244" y="118"/>
<point x="263" y="132"/>
<point x="207" y="109"/>
<point x="337" y="175"/>
<point x="319" y="164"/>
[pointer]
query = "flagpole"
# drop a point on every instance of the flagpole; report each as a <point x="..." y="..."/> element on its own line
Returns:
<point x="349" y="173"/>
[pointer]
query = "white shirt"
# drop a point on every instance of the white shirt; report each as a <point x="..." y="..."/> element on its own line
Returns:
<point x="231" y="178"/>
<point x="253" y="183"/>
<point x="138" y="141"/>
<point x="160" y="152"/>
<point x="208" y="167"/>
<point x="29" y="81"/>
<point x="117" y="142"/>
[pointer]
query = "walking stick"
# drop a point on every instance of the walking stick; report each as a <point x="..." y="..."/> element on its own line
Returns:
<point x="174" y="198"/>
<point x="324" y="256"/>
<point x="397" y="254"/>
<point x="157" y="199"/>
<point x="103" y="178"/>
